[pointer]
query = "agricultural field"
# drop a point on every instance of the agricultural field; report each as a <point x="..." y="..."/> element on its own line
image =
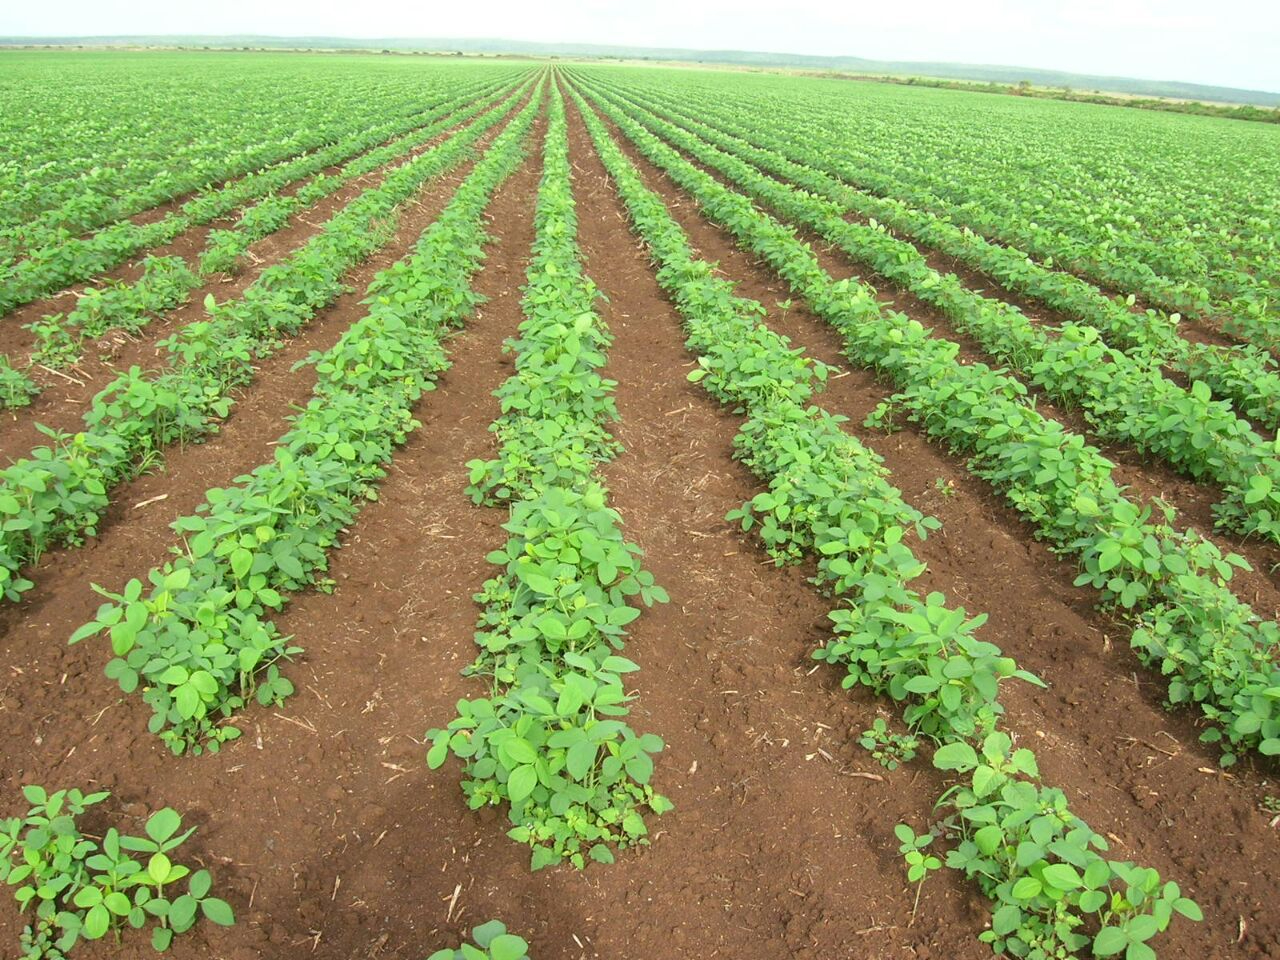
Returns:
<point x="455" y="507"/>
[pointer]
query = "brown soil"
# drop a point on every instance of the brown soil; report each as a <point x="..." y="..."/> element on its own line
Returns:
<point x="1109" y="751"/>
<point x="331" y="838"/>
<point x="64" y="396"/>
<point x="62" y="404"/>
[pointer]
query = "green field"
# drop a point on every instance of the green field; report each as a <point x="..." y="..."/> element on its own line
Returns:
<point x="647" y="500"/>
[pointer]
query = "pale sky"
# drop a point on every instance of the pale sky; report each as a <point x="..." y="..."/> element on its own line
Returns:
<point x="1229" y="42"/>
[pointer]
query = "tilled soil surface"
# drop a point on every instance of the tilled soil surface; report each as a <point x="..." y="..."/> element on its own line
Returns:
<point x="65" y="396"/>
<point x="333" y="840"/>
<point x="1132" y="770"/>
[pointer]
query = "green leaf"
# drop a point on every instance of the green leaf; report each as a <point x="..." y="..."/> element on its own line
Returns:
<point x="487" y="932"/>
<point x="1097" y="873"/>
<point x="188" y="701"/>
<point x="1027" y="888"/>
<point x="520" y="750"/>
<point x="1109" y="941"/>
<point x="1091" y="901"/>
<point x="158" y="868"/>
<point x="92" y="628"/>
<point x="1062" y="875"/>
<point x="241" y="562"/>
<point x="921" y="685"/>
<point x="1006" y="920"/>
<point x="521" y="783"/>
<point x="988" y="839"/>
<point x="1188" y="908"/>
<point x="97" y="921"/>
<point x="163" y="824"/>
<point x="580" y="758"/>
<point x="218" y="911"/>
<point x="437" y="754"/>
<point x="601" y="854"/>
<point x="200" y="883"/>
<point x="508" y="947"/>
<point x="955" y="756"/>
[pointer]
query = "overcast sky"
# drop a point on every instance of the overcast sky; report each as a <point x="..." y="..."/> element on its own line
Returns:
<point x="1230" y="42"/>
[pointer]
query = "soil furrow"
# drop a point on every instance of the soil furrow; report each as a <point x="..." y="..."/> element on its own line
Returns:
<point x="62" y="400"/>
<point x="243" y="440"/>
<point x="1099" y="729"/>
<point x="331" y="847"/>
<point x="758" y="751"/>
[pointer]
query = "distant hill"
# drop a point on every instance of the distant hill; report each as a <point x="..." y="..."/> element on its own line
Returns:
<point x="746" y="58"/>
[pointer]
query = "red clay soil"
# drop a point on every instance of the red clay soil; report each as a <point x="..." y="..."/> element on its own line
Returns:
<point x="64" y="396"/>
<point x="1132" y="770"/>
<point x="244" y="440"/>
<point x="331" y="838"/>
<point x="1149" y="478"/>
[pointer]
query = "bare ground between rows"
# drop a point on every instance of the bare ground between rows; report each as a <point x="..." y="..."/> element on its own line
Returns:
<point x="65" y="395"/>
<point x="145" y="506"/>
<point x="1150" y="478"/>
<point x="1132" y="770"/>
<point x="244" y="439"/>
<point x="805" y="852"/>
<point x="317" y="820"/>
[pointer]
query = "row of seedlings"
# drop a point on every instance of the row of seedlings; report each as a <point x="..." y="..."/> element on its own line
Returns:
<point x="72" y="884"/>
<point x="1122" y="396"/>
<point x="62" y="260"/>
<point x="1245" y="374"/>
<point x="58" y="495"/>
<point x="1172" y="586"/>
<point x="1085" y="231"/>
<point x="551" y="739"/>
<point x="830" y="498"/>
<point x="93" y="168"/>
<point x="197" y="639"/>
<point x="167" y="281"/>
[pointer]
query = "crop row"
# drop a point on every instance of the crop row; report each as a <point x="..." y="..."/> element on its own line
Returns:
<point x="1123" y="397"/>
<point x="73" y="885"/>
<point x="63" y="259"/>
<point x="1172" y="586"/>
<point x="58" y="495"/>
<point x="551" y="739"/>
<point x="107" y="140"/>
<point x="1187" y="227"/>
<point x="201" y="643"/>
<point x="167" y="281"/>
<point x="829" y="498"/>
<point x="1245" y="374"/>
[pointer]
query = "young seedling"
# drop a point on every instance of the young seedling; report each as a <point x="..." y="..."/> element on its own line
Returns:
<point x="72" y="888"/>
<point x="889" y="749"/>
<point x="492" y="942"/>
<point x="919" y="863"/>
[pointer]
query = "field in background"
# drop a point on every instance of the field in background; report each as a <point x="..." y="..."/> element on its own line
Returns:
<point x="668" y="510"/>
